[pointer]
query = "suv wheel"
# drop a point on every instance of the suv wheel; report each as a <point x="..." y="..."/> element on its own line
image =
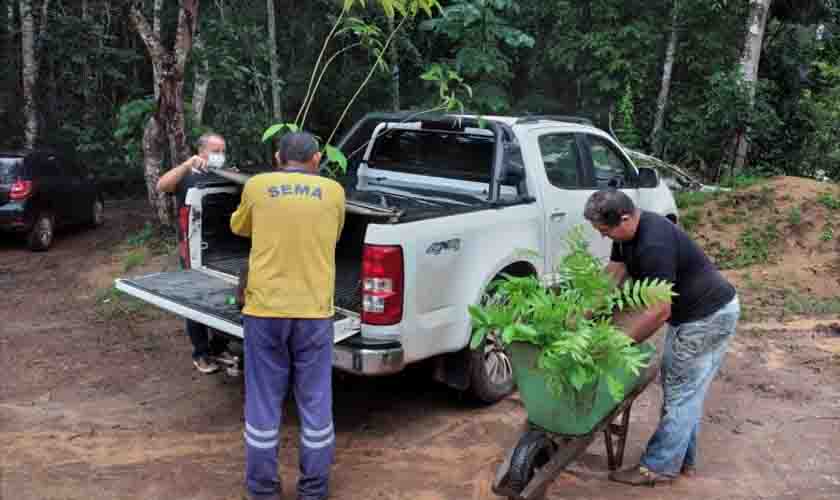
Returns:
<point x="40" y="237"/>
<point x="97" y="213"/>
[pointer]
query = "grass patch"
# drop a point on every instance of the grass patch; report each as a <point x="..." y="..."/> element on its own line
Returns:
<point x="114" y="304"/>
<point x="827" y="233"/>
<point x="802" y="304"/>
<point x="688" y="199"/>
<point x="690" y="219"/>
<point x="794" y="216"/>
<point x="753" y="247"/>
<point x="829" y="200"/>
<point x="159" y="240"/>
<point x="729" y="219"/>
<point x="134" y="259"/>
<point x="742" y="181"/>
<point x="750" y="283"/>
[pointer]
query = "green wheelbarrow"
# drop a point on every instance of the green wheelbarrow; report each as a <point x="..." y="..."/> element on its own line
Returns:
<point x="559" y="430"/>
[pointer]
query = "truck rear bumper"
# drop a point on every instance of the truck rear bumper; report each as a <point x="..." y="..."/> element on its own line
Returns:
<point x="355" y="356"/>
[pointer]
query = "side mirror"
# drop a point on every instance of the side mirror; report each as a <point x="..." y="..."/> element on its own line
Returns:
<point x="648" y="177"/>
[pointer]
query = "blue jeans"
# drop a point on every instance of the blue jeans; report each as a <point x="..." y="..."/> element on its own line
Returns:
<point x="692" y="357"/>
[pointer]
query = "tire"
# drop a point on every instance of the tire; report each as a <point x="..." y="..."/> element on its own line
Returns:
<point x="40" y="237"/>
<point x="532" y="452"/>
<point x="97" y="213"/>
<point x="490" y="369"/>
<point x="491" y="374"/>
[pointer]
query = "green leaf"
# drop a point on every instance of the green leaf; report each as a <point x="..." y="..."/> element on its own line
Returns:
<point x="276" y="128"/>
<point x="507" y="334"/>
<point x="272" y="130"/>
<point x="477" y="338"/>
<point x="336" y="156"/>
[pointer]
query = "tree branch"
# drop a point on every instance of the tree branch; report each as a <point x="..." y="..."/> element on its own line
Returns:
<point x="44" y="18"/>
<point x="187" y="24"/>
<point x="142" y="27"/>
<point x="158" y="7"/>
<point x="321" y="77"/>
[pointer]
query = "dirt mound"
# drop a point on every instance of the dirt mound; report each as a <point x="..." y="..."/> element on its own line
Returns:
<point x="777" y="242"/>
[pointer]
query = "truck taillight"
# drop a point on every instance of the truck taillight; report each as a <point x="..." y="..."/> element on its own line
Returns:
<point x="382" y="285"/>
<point x="21" y="190"/>
<point x="184" y="232"/>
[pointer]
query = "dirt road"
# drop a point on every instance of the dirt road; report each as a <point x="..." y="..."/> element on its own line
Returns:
<point x="93" y="407"/>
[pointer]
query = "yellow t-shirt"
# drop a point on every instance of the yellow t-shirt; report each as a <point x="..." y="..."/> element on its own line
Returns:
<point x="294" y="221"/>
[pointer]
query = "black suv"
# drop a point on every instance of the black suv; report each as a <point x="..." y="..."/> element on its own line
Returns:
<point x="41" y="190"/>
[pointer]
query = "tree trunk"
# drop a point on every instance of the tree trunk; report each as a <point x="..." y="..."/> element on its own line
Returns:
<point x="158" y="7"/>
<point x="29" y="73"/>
<point x="85" y="64"/>
<point x="9" y="56"/>
<point x="395" y="69"/>
<point x="665" y="89"/>
<point x="10" y="22"/>
<point x="169" y="117"/>
<point x="202" y="84"/>
<point x="276" y="84"/>
<point x="170" y="111"/>
<point x="750" y="58"/>
<point x="152" y="166"/>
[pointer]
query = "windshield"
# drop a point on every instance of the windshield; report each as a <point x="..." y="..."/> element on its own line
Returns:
<point x="434" y="153"/>
<point x="10" y="170"/>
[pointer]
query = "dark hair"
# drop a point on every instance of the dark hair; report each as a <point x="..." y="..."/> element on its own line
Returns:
<point x="607" y="207"/>
<point x="298" y="147"/>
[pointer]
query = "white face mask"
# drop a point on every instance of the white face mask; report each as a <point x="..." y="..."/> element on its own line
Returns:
<point x="215" y="160"/>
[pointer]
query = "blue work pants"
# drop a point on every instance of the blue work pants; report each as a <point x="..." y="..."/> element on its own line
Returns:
<point x="280" y="353"/>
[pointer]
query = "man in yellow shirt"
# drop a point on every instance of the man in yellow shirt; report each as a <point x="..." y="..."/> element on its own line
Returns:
<point x="294" y="218"/>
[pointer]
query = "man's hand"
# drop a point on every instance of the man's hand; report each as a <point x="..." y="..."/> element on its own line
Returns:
<point x="197" y="163"/>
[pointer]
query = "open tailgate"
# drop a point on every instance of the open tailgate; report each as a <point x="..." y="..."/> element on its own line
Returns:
<point x="204" y="298"/>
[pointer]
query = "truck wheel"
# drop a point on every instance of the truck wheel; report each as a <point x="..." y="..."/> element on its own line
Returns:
<point x="491" y="374"/>
<point x="532" y="452"/>
<point x="40" y="237"/>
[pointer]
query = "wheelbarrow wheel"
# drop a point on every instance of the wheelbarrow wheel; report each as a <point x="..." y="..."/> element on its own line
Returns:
<point x="532" y="452"/>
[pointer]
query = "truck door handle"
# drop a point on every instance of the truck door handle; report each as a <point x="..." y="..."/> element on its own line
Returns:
<point x="558" y="215"/>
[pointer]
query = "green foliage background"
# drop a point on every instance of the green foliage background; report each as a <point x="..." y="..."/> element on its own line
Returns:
<point x="591" y="58"/>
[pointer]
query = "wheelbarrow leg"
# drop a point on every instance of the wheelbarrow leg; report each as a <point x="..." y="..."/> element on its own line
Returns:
<point x="615" y="451"/>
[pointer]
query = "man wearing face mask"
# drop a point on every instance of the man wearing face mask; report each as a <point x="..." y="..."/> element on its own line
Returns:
<point x="211" y="153"/>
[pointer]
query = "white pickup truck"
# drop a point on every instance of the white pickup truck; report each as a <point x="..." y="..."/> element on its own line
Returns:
<point x="437" y="208"/>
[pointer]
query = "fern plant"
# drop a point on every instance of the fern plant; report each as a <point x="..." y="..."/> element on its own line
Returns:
<point x="571" y="321"/>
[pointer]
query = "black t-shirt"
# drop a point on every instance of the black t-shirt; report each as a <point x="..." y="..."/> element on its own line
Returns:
<point x="186" y="182"/>
<point x="662" y="250"/>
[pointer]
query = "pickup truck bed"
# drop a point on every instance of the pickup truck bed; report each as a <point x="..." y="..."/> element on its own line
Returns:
<point x="347" y="292"/>
<point x="199" y="296"/>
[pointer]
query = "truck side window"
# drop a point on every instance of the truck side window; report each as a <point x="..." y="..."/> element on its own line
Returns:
<point x="610" y="169"/>
<point x="561" y="160"/>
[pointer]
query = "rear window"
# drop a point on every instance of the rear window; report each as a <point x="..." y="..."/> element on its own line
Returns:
<point x="10" y="169"/>
<point x="437" y="154"/>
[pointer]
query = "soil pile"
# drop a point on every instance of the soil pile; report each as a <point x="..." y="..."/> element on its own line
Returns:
<point x="777" y="241"/>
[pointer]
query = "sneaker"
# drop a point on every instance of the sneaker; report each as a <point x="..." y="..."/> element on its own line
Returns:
<point x="639" y="475"/>
<point x="226" y="358"/>
<point x="205" y="366"/>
